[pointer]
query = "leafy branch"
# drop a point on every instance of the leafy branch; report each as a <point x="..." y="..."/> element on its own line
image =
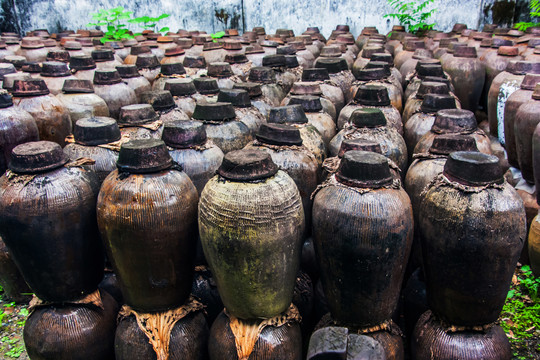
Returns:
<point x="112" y="19"/>
<point x="150" y="23"/>
<point x="534" y="12"/>
<point x="413" y="14"/>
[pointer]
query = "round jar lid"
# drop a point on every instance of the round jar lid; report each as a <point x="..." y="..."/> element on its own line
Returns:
<point x="144" y="156"/>
<point x="364" y="169"/>
<point x="279" y="134"/>
<point x="184" y="134"/>
<point x="247" y="165"/>
<point x="291" y="114"/>
<point x="97" y="130"/>
<point x="37" y="157"/>
<point x="473" y="168"/>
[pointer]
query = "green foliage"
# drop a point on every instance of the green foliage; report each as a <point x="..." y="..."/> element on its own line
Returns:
<point x="150" y="23"/>
<point x="113" y="20"/>
<point x="413" y="14"/>
<point x="218" y="35"/>
<point x="534" y="12"/>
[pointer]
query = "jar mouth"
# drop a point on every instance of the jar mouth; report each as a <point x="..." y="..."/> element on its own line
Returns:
<point x="37" y="157"/>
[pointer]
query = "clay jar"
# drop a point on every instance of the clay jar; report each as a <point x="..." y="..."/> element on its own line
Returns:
<point x="89" y="133"/>
<point x="272" y="92"/>
<point x="414" y="102"/>
<point x="148" y="66"/>
<point x="182" y="91"/>
<point x="424" y="70"/>
<point x="32" y="49"/>
<point x="314" y="89"/>
<point x="168" y="71"/>
<point x="408" y="51"/>
<point x="147" y="211"/>
<point x="534" y="245"/>
<point x="16" y="127"/>
<point x="55" y="243"/>
<point x="525" y="121"/>
<point x="138" y="83"/>
<point x="332" y="341"/>
<point x="380" y="238"/>
<point x="105" y="59"/>
<point x="222" y="125"/>
<point x="420" y="56"/>
<point x="79" y="98"/>
<point x="371" y="124"/>
<point x="251" y="213"/>
<point x="213" y="52"/>
<point x="109" y="86"/>
<point x="193" y="65"/>
<point x="513" y="103"/>
<point x="140" y="121"/>
<point x="478" y="262"/>
<point x="339" y="74"/>
<point x="11" y="279"/>
<point x="51" y="116"/>
<point x="82" y="67"/>
<point x="173" y="55"/>
<point x="240" y="65"/>
<point x="313" y="109"/>
<point x="467" y="74"/>
<point x="380" y="76"/>
<point x="328" y="89"/>
<point x="284" y="75"/>
<point x="190" y="148"/>
<point x="454" y="121"/>
<point x="245" y="111"/>
<point x="364" y="57"/>
<point x="497" y="64"/>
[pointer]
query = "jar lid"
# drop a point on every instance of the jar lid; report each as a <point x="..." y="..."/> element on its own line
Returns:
<point x="315" y="74"/>
<point x="170" y="69"/>
<point x="378" y="65"/>
<point x="184" y="134"/>
<point x="147" y="61"/>
<point x="489" y="28"/>
<point x="345" y="28"/>
<point x="422" y="54"/>
<point x="137" y="114"/>
<point x="536" y="93"/>
<point x="92" y="131"/>
<point x="9" y="79"/>
<point x="30" y="87"/>
<point x="279" y="134"/>
<point x="424" y="70"/>
<point x="370" y="74"/>
<point x="473" y="168"/>
<point x="448" y="143"/>
<point x="231" y="44"/>
<point x="102" y="55"/>
<point x="383" y="57"/>
<point x="197" y="62"/>
<point x="534" y="42"/>
<point x="107" y="77"/>
<point x="137" y="50"/>
<point x="237" y="97"/>
<point x="58" y="55"/>
<point x="236" y="58"/>
<point x="247" y="165"/>
<point x="220" y="69"/>
<point x="144" y="156"/>
<point x="306" y="88"/>
<point x="372" y="95"/>
<point x="31" y="67"/>
<point x="215" y="111"/>
<point x="259" y="30"/>
<point x="127" y="71"/>
<point x="286" y="50"/>
<point x="359" y="145"/>
<point x="508" y="51"/>
<point x="291" y="61"/>
<point x="274" y="61"/>
<point x="180" y="87"/>
<point x="454" y="121"/>
<point x="254" y="90"/>
<point x="530" y="81"/>
<point x="174" y="51"/>
<point x="37" y="157"/>
<point x="368" y="118"/>
<point x="522" y="67"/>
<point x="270" y="43"/>
<point x="369" y="50"/>
<point x="458" y="28"/>
<point x="465" y="52"/>
<point x="82" y="62"/>
<point x="31" y="42"/>
<point x="333" y="65"/>
<point x="431" y="87"/>
<point x="309" y="103"/>
<point x="254" y="49"/>
<point x="435" y="102"/>
<point x="206" y="86"/>
<point x="364" y="169"/>
<point x="161" y="100"/>
<point x="485" y="43"/>
<point x="199" y="40"/>
<point x="413" y="44"/>
<point x="331" y="51"/>
<point x="54" y="69"/>
<point x="262" y="75"/>
<point x="72" y="45"/>
<point x="290" y="114"/>
<point x="5" y="99"/>
<point x="77" y="86"/>
<point x="6" y="69"/>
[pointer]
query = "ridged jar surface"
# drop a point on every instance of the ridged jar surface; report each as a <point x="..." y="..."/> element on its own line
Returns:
<point x="49" y="225"/>
<point x="417" y="126"/>
<point x="391" y="114"/>
<point x="148" y="224"/>
<point x="362" y="242"/>
<point x="252" y="236"/>
<point x="116" y="96"/>
<point x="477" y="239"/>
<point x="468" y="76"/>
<point x="482" y="141"/>
<point x="105" y="158"/>
<point x="83" y="105"/>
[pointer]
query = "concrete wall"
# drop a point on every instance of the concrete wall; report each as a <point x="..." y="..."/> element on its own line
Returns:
<point x="213" y="15"/>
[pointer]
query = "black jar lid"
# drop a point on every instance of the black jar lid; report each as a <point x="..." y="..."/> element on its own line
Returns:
<point x="413" y="44"/>
<point x="364" y="169"/>
<point x="384" y="57"/>
<point x="140" y="49"/>
<point x="169" y="69"/>
<point x="184" y="134"/>
<point x="379" y="64"/>
<point x="262" y="74"/>
<point x="37" y="157"/>
<point x="448" y="143"/>
<point x="465" y="52"/>
<point x="137" y="114"/>
<point x="315" y="74"/>
<point x="522" y="67"/>
<point x="498" y="42"/>
<point x="530" y="81"/>
<point x="438" y="79"/>
<point x="372" y="95"/>
<point x="6" y="99"/>
<point x="215" y="111"/>
<point x="370" y="74"/>
<point x="368" y="117"/>
<point x="197" y="62"/>
<point x="82" y="62"/>
<point x="58" y="55"/>
<point x="180" y="87"/>
<point x="92" y="131"/>
<point x="161" y="100"/>
<point x="333" y="65"/>
<point x="431" y="87"/>
<point x="6" y="69"/>
<point x="31" y="67"/>
<point x="309" y="103"/>
<point x="15" y="60"/>
<point x="128" y="71"/>
<point x="107" y="77"/>
<point x="453" y="121"/>
<point x="147" y="61"/>
<point x="435" y="102"/>
<point x="102" y="55"/>
<point x="306" y="88"/>
<point x="144" y="156"/>
<point x="359" y="145"/>
<point x="473" y="168"/>
<point x="424" y="70"/>
<point x="54" y="69"/>
<point x="291" y="61"/>
<point x="369" y="50"/>
<point x="77" y="86"/>
<point x="237" y="97"/>
<point x="279" y="134"/>
<point x="247" y="165"/>
<point x="274" y="61"/>
<point x="206" y="86"/>
<point x="254" y="90"/>
<point x="286" y="50"/>
<point x="220" y="69"/>
<point x="30" y="87"/>
<point x="236" y="58"/>
<point x="290" y="114"/>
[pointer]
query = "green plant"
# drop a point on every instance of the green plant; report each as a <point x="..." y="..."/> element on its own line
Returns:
<point x="534" y="12"/>
<point x="217" y="35"/>
<point x="150" y="23"/>
<point x="112" y="18"/>
<point x="412" y="14"/>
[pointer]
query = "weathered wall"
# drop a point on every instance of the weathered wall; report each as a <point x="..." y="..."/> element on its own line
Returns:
<point x="213" y="15"/>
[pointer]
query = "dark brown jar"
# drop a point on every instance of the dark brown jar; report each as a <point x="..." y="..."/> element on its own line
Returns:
<point x="414" y="102"/>
<point x="168" y="71"/>
<point x="222" y="125"/>
<point x="91" y="137"/>
<point x="72" y="331"/>
<point x="302" y="88"/>
<point x="339" y="74"/>
<point x="79" y="98"/>
<point x="207" y="89"/>
<point x="131" y="76"/>
<point x="272" y="92"/>
<point x="147" y="213"/>
<point x="139" y="122"/>
<point x="183" y="91"/>
<point x="433" y="340"/>
<point x="497" y="64"/>
<point x="380" y="75"/>
<point x="163" y="103"/>
<point x="380" y="238"/>
<point x="11" y="279"/>
<point x="467" y="74"/>
<point x="313" y="108"/>
<point x="191" y="149"/>
<point x="245" y="111"/>
<point x="148" y="66"/>
<point x="525" y="121"/>
<point x="32" y="49"/>
<point x="55" y="243"/>
<point x="193" y="65"/>
<point x="513" y="103"/>
<point x="457" y="217"/>
<point x="54" y="73"/>
<point x="82" y="67"/>
<point x="251" y="213"/>
<point x="223" y="74"/>
<point x="329" y="90"/>
<point x="51" y="116"/>
<point x="109" y="86"/>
